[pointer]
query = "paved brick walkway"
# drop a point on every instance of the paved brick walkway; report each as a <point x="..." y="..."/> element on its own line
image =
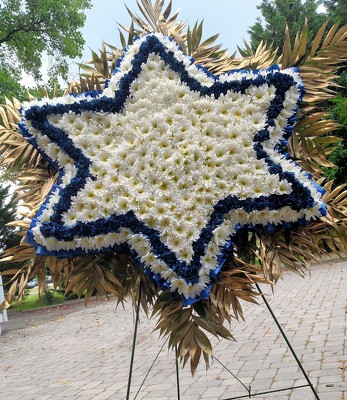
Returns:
<point x="85" y="355"/>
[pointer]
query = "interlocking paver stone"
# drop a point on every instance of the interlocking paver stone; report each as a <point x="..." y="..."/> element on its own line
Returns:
<point x="85" y="354"/>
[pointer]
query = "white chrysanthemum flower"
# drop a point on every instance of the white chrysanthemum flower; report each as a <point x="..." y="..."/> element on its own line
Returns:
<point x="122" y="205"/>
<point x="42" y="141"/>
<point x="51" y="243"/>
<point x="259" y="94"/>
<point x="168" y="275"/>
<point x="126" y="65"/>
<point x="64" y="161"/>
<point x="45" y="215"/>
<point x="284" y="187"/>
<point x="239" y="216"/>
<point x="185" y="254"/>
<point x="158" y="266"/>
<point x="148" y="259"/>
<point x="200" y="76"/>
<point x="140" y="244"/>
<point x="209" y="262"/>
<point x="175" y="243"/>
<point x="178" y="284"/>
<point x="53" y="151"/>
<point x="66" y="179"/>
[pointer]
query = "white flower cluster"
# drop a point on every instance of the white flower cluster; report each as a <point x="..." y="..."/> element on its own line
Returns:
<point x="169" y="157"/>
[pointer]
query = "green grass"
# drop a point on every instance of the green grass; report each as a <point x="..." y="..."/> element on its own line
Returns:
<point x="31" y="301"/>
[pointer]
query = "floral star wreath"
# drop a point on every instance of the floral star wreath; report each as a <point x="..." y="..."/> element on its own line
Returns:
<point x="169" y="161"/>
<point x="176" y="168"/>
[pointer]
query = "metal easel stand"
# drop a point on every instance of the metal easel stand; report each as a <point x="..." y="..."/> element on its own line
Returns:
<point x="247" y="388"/>
<point x="154" y="361"/>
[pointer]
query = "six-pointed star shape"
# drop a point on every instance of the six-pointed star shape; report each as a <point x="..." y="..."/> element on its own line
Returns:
<point x="169" y="161"/>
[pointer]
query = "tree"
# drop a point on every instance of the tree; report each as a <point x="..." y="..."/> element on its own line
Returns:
<point x="30" y="27"/>
<point x="336" y="9"/>
<point x="8" y="206"/>
<point x="8" y="236"/>
<point x="339" y="114"/>
<point x="9" y="86"/>
<point x="277" y="14"/>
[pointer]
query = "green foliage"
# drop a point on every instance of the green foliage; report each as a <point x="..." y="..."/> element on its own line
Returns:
<point x="30" y="27"/>
<point x="336" y="9"/>
<point x="339" y="111"/>
<point x="10" y="87"/>
<point x="339" y="155"/>
<point x="32" y="301"/>
<point x="342" y="81"/>
<point x="8" y="236"/>
<point x="48" y="296"/>
<point x="339" y="158"/>
<point x="278" y="13"/>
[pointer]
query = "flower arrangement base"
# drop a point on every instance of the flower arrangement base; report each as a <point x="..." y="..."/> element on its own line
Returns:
<point x="247" y="388"/>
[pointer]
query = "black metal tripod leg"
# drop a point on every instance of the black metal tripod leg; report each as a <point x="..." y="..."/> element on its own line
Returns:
<point x="287" y="342"/>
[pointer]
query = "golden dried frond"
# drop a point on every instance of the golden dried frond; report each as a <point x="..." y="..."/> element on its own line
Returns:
<point x="45" y="91"/>
<point x="186" y="327"/>
<point x="33" y="266"/>
<point x="317" y="69"/>
<point x="115" y="275"/>
<point x="293" y="251"/>
<point x="206" y="52"/>
<point x="312" y="141"/>
<point x="14" y="149"/>
<point x="336" y="201"/>
<point x="235" y="282"/>
<point x="93" y="73"/>
<point x="293" y="56"/>
<point x="86" y="84"/>
<point x="33" y="187"/>
<point x="296" y="249"/>
<point x="332" y="237"/>
<point x="330" y="231"/>
<point x="263" y="57"/>
<point x="157" y="19"/>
